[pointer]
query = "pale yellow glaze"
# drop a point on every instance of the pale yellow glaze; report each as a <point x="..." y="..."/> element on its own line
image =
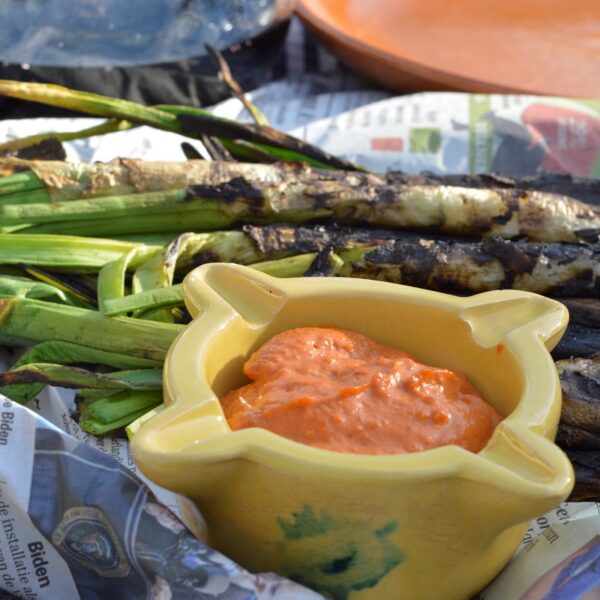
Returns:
<point x="433" y="524"/>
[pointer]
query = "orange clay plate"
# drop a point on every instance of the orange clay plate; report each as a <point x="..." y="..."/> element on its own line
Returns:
<point x="526" y="46"/>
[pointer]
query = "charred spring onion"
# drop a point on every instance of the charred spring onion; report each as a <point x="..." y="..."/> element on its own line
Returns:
<point x="121" y="236"/>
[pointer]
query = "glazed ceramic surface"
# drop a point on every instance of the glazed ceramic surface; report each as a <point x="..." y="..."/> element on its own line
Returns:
<point x="528" y="46"/>
<point x="433" y="524"/>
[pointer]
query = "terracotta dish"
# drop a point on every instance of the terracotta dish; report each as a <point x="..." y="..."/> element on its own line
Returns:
<point x="526" y="46"/>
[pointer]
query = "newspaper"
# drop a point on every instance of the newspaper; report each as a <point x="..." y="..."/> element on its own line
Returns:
<point x="559" y="558"/>
<point x="57" y="407"/>
<point x="75" y="523"/>
<point x="436" y="132"/>
<point x="442" y="132"/>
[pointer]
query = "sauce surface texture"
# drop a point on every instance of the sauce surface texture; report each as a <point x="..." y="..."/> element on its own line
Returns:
<point x="339" y="390"/>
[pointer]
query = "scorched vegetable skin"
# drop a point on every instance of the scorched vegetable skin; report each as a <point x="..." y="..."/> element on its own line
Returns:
<point x="339" y="390"/>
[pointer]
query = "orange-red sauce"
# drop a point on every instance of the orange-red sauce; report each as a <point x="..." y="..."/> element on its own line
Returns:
<point x="339" y="390"/>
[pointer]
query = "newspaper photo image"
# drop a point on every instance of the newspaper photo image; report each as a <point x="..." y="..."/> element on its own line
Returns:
<point x="574" y="577"/>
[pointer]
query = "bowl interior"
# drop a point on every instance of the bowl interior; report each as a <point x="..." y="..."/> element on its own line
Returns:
<point x="434" y="336"/>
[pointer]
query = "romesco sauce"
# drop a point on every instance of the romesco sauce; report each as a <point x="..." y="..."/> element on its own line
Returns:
<point x="339" y="390"/>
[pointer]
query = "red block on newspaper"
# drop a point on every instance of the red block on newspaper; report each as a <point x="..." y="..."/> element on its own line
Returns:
<point x="393" y="144"/>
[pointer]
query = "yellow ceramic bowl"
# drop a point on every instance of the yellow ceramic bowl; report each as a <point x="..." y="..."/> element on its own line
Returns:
<point x="433" y="524"/>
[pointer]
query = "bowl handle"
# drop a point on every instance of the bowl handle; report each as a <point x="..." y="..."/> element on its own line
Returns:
<point x="492" y="316"/>
<point x="537" y="470"/>
<point x="233" y="289"/>
<point x="524" y="456"/>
